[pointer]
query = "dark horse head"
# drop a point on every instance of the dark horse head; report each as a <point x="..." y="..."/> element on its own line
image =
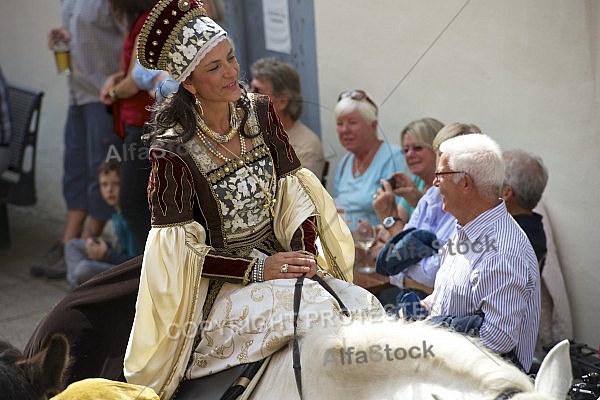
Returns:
<point x="37" y="377"/>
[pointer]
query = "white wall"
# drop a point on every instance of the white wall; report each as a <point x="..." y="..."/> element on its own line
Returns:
<point x="26" y="61"/>
<point x="527" y="73"/>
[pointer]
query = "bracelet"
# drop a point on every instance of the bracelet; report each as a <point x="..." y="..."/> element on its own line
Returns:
<point x="112" y="93"/>
<point x="258" y="272"/>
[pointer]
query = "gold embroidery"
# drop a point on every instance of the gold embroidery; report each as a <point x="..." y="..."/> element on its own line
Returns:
<point x="173" y="224"/>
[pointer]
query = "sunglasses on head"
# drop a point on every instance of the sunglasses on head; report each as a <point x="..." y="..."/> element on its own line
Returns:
<point x="358" y="95"/>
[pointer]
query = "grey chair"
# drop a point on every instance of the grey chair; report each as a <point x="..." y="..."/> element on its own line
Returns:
<point x="17" y="182"/>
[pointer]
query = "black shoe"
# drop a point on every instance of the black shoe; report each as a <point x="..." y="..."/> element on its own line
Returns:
<point x="38" y="270"/>
<point x="55" y="254"/>
<point x="56" y="271"/>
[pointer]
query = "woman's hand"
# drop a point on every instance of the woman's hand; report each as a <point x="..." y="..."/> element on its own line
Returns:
<point x="110" y="82"/>
<point x="406" y="188"/>
<point x="56" y="35"/>
<point x="383" y="201"/>
<point x="290" y="265"/>
<point x="382" y="238"/>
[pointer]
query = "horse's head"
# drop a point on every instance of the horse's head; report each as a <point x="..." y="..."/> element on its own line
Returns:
<point x="37" y="377"/>
<point x="393" y="360"/>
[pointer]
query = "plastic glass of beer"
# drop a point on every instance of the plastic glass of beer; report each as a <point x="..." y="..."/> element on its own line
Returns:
<point x="62" y="56"/>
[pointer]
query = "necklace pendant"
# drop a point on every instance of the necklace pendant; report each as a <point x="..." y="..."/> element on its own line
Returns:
<point x="270" y="204"/>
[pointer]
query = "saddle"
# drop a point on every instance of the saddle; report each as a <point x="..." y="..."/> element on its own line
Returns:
<point x="225" y="385"/>
<point x="231" y="383"/>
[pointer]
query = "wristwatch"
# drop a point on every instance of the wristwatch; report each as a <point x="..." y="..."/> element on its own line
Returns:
<point x="388" y="222"/>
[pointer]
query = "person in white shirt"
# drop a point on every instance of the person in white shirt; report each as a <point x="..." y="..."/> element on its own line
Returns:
<point x="488" y="266"/>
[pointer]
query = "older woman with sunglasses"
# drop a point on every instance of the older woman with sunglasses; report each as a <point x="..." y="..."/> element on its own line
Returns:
<point x="368" y="160"/>
<point x="417" y="147"/>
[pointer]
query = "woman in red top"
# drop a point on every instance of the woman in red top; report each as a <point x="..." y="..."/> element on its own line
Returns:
<point x="129" y="105"/>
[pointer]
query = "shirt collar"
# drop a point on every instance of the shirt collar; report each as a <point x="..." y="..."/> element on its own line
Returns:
<point x="475" y="228"/>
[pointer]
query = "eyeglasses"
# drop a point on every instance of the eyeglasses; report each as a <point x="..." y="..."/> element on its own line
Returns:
<point x="358" y="95"/>
<point x="440" y="174"/>
<point x="415" y="148"/>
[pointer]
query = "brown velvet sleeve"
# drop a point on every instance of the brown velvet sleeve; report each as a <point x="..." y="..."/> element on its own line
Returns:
<point x="170" y="189"/>
<point x="276" y="138"/>
<point x="227" y="268"/>
<point x="286" y="162"/>
<point x="305" y="236"/>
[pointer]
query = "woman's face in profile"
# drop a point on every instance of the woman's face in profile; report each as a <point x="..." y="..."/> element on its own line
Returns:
<point x="354" y="132"/>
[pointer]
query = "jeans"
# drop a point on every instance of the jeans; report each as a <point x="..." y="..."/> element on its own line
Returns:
<point x="88" y="137"/>
<point x="80" y="267"/>
<point x="392" y="299"/>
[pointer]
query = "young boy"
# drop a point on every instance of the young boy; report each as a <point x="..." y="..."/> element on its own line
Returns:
<point x="88" y="257"/>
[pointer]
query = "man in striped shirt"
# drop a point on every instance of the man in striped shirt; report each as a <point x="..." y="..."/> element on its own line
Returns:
<point x="488" y="265"/>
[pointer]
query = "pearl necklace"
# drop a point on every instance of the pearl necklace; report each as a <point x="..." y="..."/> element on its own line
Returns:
<point x="234" y="122"/>
<point x="220" y="155"/>
<point x="269" y="200"/>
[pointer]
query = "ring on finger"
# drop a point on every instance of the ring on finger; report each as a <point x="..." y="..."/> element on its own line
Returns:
<point x="284" y="269"/>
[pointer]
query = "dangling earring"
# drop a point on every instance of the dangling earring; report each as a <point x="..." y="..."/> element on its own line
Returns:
<point x="199" y="106"/>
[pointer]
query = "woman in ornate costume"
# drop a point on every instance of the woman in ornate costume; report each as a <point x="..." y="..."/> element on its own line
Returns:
<point x="235" y="219"/>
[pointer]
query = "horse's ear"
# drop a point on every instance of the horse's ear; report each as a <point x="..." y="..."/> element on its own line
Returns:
<point x="46" y="370"/>
<point x="554" y="378"/>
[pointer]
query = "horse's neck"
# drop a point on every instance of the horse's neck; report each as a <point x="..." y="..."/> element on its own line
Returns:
<point x="460" y="369"/>
<point x="395" y="383"/>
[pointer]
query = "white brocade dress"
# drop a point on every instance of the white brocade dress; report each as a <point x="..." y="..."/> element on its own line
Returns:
<point x="248" y="323"/>
<point x="197" y="311"/>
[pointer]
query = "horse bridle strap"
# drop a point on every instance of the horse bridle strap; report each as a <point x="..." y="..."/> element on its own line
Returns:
<point x="507" y="394"/>
<point x="295" y="344"/>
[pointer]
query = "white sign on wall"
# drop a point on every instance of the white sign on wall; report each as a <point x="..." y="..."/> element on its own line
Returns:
<point x="277" y="26"/>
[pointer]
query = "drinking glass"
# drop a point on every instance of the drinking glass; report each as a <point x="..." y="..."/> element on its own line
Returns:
<point x="364" y="236"/>
<point x="62" y="57"/>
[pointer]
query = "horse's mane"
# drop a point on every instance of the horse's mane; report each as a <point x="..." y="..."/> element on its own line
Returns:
<point x="455" y="354"/>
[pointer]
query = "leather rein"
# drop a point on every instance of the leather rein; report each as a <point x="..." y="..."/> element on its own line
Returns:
<point x="295" y="343"/>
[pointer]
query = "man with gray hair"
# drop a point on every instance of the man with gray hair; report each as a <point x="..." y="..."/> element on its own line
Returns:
<point x="280" y="81"/>
<point x="488" y="268"/>
<point x="525" y="178"/>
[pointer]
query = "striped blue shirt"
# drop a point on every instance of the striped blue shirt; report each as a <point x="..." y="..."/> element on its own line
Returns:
<point x="489" y="264"/>
<point x="428" y="215"/>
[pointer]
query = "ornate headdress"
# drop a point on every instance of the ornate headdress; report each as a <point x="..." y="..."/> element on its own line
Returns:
<point x="176" y="35"/>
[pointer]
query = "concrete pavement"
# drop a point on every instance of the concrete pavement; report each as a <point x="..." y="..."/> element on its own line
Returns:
<point x="25" y="299"/>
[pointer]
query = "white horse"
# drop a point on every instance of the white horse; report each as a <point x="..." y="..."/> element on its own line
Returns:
<point x="394" y="360"/>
